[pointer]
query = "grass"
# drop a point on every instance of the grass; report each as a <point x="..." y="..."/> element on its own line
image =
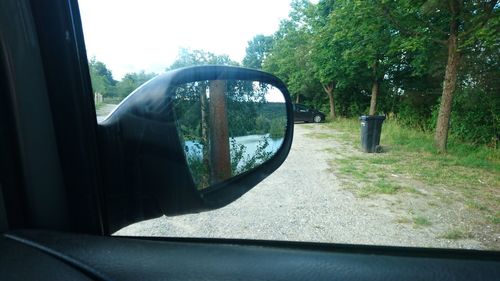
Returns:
<point x="455" y="234"/>
<point x="403" y="220"/>
<point x="379" y="187"/>
<point x="466" y="173"/>
<point x="421" y="221"/>
<point x="400" y="138"/>
<point x="319" y="135"/>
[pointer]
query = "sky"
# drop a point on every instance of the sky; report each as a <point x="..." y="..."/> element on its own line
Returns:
<point x="130" y="36"/>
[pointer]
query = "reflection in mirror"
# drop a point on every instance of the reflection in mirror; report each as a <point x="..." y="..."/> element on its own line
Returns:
<point x="228" y="127"/>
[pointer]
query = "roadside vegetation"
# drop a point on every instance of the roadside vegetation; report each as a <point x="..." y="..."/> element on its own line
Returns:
<point x="465" y="180"/>
<point x="432" y="64"/>
<point x="473" y="171"/>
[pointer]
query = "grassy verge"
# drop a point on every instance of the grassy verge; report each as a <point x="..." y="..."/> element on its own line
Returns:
<point x="467" y="173"/>
<point x="455" y="234"/>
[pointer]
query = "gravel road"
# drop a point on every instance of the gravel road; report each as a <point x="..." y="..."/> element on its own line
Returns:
<point x="104" y="110"/>
<point x="302" y="201"/>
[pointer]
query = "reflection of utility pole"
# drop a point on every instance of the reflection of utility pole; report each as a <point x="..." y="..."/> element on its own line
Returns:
<point x="220" y="162"/>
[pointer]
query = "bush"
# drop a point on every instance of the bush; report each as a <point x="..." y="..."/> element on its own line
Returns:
<point x="475" y="117"/>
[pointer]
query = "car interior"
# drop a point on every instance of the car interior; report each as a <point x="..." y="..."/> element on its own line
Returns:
<point x="67" y="183"/>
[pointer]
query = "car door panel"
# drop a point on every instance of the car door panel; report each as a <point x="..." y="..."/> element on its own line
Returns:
<point x="116" y="258"/>
<point x="19" y="261"/>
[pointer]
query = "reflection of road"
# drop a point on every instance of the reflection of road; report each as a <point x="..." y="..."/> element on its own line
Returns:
<point x="304" y="200"/>
<point x="104" y="110"/>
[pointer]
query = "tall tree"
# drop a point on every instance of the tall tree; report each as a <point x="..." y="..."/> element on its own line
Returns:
<point x="132" y="81"/>
<point x="257" y="50"/>
<point x="213" y="122"/>
<point x="326" y="54"/>
<point x="453" y="24"/>
<point x="220" y="160"/>
<point x="290" y="56"/>
<point x="188" y="57"/>
<point x="368" y="40"/>
<point x="101" y="78"/>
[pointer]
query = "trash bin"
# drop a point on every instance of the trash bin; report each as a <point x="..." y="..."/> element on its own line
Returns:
<point x="371" y="127"/>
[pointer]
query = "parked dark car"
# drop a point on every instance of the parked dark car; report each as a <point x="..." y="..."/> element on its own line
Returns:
<point x="307" y="114"/>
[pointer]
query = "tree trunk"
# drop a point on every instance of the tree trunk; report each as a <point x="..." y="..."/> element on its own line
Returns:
<point x="375" y="88"/>
<point x="373" y="100"/>
<point x="297" y="99"/>
<point x="449" y="85"/>
<point x="329" y="89"/>
<point x="220" y="162"/>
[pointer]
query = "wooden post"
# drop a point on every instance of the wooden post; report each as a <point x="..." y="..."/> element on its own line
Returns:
<point x="220" y="161"/>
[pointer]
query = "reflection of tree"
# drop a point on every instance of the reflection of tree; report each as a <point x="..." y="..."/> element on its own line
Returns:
<point x="220" y="165"/>
<point x="247" y="112"/>
<point x="204" y="127"/>
<point x="241" y="164"/>
<point x="197" y="165"/>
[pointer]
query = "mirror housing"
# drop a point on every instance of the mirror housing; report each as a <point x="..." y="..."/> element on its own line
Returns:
<point x="143" y="163"/>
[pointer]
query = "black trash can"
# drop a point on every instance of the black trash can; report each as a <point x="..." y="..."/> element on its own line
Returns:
<point x="371" y="127"/>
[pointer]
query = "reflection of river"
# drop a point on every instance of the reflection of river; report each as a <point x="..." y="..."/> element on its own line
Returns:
<point x="250" y="143"/>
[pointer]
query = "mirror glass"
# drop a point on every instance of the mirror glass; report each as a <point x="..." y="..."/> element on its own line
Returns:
<point x="228" y="127"/>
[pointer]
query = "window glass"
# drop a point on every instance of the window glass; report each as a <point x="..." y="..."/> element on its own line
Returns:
<point x="408" y="154"/>
<point x="300" y="107"/>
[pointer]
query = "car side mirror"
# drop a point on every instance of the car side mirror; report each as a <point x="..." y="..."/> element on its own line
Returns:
<point x="192" y="140"/>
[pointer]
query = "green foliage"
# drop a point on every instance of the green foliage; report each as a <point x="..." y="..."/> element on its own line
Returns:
<point x="421" y="221"/>
<point x="104" y="84"/>
<point x="410" y="164"/>
<point x="187" y="57"/>
<point x="476" y="117"/>
<point x="278" y="128"/>
<point x="101" y="78"/>
<point x="402" y="44"/>
<point x="199" y="170"/>
<point x="132" y="81"/>
<point x="257" y="51"/>
<point x="455" y="234"/>
<point x="290" y="55"/>
<point x="381" y="186"/>
<point x="241" y="164"/>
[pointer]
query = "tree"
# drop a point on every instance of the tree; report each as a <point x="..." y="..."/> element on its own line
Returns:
<point x="187" y="57"/>
<point x="212" y="122"/>
<point x="455" y="25"/>
<point x="101" y="78"/>
<point x="368" y="43"/>
<point x="257" y="50"/>
<point x="326" y="54"/>
<point x="132" y="81"/>
<point x="290" y="55"/>
<point x="220" y="160"/>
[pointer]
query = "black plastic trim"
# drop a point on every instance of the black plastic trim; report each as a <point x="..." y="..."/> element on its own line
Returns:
<point x="146" y="172"/>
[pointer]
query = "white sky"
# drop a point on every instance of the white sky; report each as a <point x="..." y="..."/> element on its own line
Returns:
<point x="129" y="36"/>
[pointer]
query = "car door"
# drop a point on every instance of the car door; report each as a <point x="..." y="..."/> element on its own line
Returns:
<point x="301" y="113"/>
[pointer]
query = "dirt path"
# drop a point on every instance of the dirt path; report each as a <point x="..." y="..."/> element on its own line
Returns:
<point x="304" y="200"/>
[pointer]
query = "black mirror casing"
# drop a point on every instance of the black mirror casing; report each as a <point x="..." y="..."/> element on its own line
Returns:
<point x="145" y="171"/>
